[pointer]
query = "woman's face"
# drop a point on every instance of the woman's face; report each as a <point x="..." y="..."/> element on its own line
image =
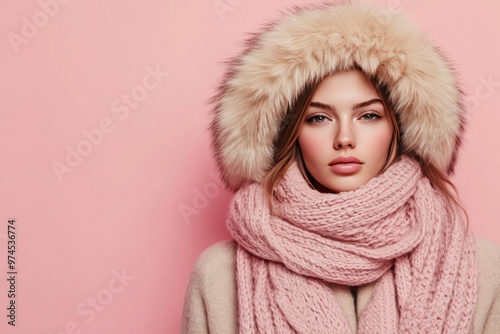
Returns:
<point x="346" y="134"/>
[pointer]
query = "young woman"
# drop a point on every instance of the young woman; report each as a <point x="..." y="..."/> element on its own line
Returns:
<point x="338" y="129"/>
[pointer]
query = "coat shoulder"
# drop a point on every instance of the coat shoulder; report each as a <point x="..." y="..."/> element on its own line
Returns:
<point x="487" y="313"/>
<point x="210" y="301"/>
<point x="488" y="255"/>
<point x="488" y="265"/>
<point x="217" y="259"/>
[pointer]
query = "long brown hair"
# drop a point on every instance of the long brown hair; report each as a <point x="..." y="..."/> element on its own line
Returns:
<point x="287" y="148"/>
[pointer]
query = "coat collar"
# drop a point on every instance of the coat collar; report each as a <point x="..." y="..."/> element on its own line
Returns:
<point x="346" y="301"/>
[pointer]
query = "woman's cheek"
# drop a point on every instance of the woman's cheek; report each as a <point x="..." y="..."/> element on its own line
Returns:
<point x="312" y="142"/>
<point x="380" y="141"/>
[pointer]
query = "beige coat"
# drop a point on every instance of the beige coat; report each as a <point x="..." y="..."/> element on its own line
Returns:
<point x="211" y="300"/>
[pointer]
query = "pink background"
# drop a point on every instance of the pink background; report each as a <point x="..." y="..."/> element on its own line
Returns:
<point x="119" y="207"/>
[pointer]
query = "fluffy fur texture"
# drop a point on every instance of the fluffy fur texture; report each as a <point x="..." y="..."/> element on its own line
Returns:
<point x="309" y="44"/>
<point x="396" y="230"/>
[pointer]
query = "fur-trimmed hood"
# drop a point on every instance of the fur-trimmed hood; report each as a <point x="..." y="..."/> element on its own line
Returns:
<point x="309" y="44"/>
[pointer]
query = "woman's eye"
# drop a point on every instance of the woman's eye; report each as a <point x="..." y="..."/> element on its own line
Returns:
<point x="370" y="117"/>
<point x="316" y="119"/>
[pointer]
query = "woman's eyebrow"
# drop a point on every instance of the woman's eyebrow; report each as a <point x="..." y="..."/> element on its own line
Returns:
<point x="354" y="106"/>
<point x="366" y="103"/>
<point x="322" y="105"/>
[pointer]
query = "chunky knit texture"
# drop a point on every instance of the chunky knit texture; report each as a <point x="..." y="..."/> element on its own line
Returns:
<point x="396" y="228"/>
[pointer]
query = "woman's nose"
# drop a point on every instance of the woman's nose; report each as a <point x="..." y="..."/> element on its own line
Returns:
<point x="344" y="137"/>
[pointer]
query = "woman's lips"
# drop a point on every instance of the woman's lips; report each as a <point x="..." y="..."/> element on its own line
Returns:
<point x="346" y="168"/>
<point x="345" y="165"/>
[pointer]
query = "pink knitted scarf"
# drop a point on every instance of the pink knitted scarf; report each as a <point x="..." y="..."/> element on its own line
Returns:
<point x="396" y="230"/>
